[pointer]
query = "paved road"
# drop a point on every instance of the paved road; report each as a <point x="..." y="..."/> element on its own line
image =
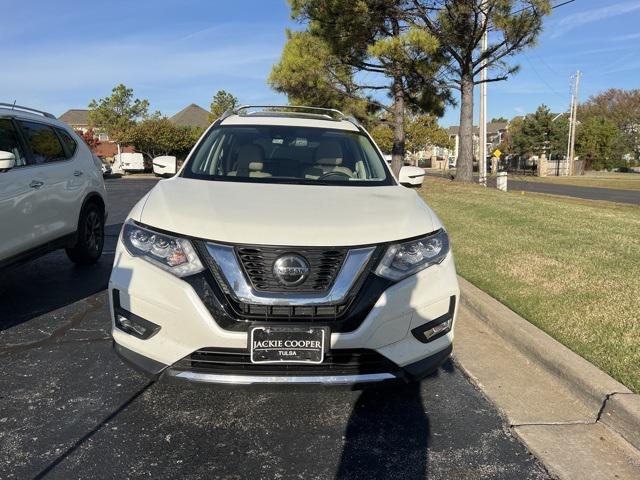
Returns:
<point x="70" y="409"/>
<point x="588" y="193"/>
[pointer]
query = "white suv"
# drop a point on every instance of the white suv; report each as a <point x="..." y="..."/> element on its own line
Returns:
<point x="51" y="191"/>
<point x="284" y="251"/>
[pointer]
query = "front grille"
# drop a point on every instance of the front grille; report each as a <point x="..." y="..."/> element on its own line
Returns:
<point x="238" y="361"/>
<point x="257" y="263"/>
<point x="234" y="315"/>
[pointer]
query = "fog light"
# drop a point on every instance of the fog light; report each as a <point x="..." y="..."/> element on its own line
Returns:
<point x="131" y="323"/>
<point x="436" y="328"/>
<point x="442" y="328"/>
<point x="123" y="323"/>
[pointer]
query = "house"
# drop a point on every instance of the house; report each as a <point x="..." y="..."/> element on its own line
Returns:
<point x="454" y="135"/>
<point x="432" y="156"/>
<point x="191" y="116"/>
<point x="495" y="134"/>
<point x="110" y="149"/>
<point x="78" y="119"/>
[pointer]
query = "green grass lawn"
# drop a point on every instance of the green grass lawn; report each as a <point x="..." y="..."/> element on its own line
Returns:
<point x="571" y="267"/>
<point x="620" y="181"/>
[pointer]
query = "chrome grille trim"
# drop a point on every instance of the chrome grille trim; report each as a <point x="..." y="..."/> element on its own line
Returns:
<point x="352" y="267"/>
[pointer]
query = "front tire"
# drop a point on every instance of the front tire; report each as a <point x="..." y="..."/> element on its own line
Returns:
<point x="90" y="241"/>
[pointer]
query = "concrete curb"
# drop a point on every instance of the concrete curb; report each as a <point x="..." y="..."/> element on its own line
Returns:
<point x="617" y="406"/>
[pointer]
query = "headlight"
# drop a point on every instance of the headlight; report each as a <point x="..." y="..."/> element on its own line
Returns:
<point x="173" y="254"/>
<point x="404" y="259"/>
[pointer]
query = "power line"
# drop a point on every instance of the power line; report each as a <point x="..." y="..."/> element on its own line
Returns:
<point x="544" y="62"/>
<point x="553" y="7"/>
<point x="542" y="79"/>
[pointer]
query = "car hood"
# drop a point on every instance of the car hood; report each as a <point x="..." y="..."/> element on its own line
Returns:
<point x="287" y="215"/>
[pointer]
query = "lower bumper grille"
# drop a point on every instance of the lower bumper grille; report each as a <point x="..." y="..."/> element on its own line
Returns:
<point x="238" y="362"/>
<point x="284" y="313"/>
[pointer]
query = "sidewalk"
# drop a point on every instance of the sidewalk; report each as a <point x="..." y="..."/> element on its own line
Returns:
<point x="569" y="427"/>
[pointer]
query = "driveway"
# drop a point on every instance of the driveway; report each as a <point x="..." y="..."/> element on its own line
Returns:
<point x="70" y="409"/>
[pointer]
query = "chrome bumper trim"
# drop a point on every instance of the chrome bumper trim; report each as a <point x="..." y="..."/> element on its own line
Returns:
<point x="292" y="379"/>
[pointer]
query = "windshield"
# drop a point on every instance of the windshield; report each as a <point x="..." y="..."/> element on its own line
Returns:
<point x="287" y="154"/>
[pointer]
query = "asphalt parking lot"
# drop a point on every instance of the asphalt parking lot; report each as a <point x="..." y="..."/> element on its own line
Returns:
<point x="70" y="409"/>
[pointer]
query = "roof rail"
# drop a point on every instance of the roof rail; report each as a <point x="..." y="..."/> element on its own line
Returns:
<point x="13" y="106"/>
<point x="328" y="112"/>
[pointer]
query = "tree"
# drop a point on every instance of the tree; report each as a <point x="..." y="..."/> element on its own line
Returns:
<point x="383" y="136"/>
<point x="222" y="101"/>
<point x="365" y="47"/>
<point x="90" y="138"/>
<point x="498" y="119"/>
<point x="158" y="136"/>
<point x="622" y="108"/>
<point x="422" y="131"/>
<point x="459" y="26"/>
<point x="118" y="113"/>
<point x="599" y="143"/>
<point x="310" y="75"/>
<point x="538" y="133"/>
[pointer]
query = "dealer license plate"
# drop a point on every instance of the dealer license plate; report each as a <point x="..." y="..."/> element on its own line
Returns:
<point x="287" y="344"/>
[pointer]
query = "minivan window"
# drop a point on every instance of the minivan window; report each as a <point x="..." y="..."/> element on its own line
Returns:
<point x="43" y="141"/>
<point x="69" y="142"/>
<point x="9" y="141"/>
<point x="287" y="154"/>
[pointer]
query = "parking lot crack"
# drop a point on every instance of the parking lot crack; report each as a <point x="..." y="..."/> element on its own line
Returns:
<point x="93" y="305"/>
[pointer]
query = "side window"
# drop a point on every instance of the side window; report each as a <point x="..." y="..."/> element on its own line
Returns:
<point x="69" y="142"/>
<point x="44" y="143"/>
<point x="9" y="141"/>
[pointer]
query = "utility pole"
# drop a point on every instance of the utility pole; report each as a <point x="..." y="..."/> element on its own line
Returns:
<point x="482" y="161"/>
<point x="573" y="123"/>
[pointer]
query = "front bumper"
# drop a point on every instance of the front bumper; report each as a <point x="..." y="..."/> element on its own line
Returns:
<point x="159" y="371"/>
<point x="187" y="326"/>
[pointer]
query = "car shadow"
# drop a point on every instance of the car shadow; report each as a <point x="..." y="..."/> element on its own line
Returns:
<point x="51" y="282"/>
<point x="387" y="435"/>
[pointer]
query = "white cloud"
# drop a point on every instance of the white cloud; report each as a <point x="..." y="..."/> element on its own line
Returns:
<point x="579" y="19"/>
<point x="624" y="38"/>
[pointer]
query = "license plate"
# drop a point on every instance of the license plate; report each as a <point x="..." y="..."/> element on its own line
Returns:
<point x="287" y="344"/>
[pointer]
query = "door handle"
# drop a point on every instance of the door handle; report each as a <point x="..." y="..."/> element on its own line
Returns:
<point x="36" y="184"/>
<point x="77" y="173"/>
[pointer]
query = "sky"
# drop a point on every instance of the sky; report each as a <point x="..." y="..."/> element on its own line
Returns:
<point x="60" y="55"/>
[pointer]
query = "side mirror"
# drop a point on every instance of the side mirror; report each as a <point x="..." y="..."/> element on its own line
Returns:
<point x="7" y="160"/>
<point x="411" y="176"/>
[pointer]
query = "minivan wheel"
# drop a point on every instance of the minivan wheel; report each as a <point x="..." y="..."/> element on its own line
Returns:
<point x="90" y="240"/>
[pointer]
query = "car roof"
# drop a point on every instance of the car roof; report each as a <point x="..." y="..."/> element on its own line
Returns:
<point x="290" y="120"/>
<point x="290" y="115"/>
<point x="8" y="112"/>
